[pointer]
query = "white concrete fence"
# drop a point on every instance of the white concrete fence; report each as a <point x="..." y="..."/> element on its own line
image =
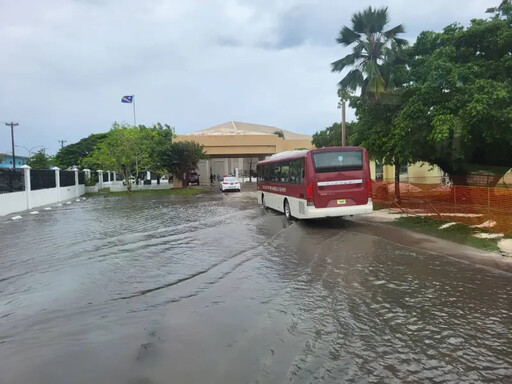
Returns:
<point x="28" y="199"/>
<point x="116" y="185"/>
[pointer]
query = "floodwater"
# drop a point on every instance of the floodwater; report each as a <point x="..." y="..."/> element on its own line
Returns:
<point x="212" y="289"/>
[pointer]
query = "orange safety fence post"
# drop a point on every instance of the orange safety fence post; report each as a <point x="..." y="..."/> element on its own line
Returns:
<point x="489" y="201"/>
<point x="455" y="197"/>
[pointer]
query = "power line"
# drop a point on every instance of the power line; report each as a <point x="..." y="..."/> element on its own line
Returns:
<point x="62" y="143"/>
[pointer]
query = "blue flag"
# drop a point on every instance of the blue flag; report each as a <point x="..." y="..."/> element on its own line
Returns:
<point x="127" y="99"/>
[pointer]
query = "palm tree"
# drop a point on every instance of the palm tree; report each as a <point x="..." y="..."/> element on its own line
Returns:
<point x="373" y="53"/>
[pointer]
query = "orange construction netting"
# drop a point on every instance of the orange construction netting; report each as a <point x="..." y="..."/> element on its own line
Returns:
<point x="486" y="208"/>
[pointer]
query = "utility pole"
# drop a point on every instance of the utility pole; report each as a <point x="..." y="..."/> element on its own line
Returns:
<point x="341" y="105"/>
<point x="343" y="125"/>
<point x="62" y="143"/>
<point x="12" y="125"/>
<point x="344" y="95"/>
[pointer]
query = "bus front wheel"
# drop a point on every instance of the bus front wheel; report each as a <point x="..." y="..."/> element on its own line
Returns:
<point x="263" y="202"/>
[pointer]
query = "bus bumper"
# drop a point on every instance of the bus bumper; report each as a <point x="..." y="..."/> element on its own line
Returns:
<point x="315" y="213"/>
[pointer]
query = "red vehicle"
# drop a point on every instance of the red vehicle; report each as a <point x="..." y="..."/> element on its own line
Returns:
<point x="325" y="182"/>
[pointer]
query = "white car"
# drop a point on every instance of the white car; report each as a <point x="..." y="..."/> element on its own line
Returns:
<point x="229" y="184"/>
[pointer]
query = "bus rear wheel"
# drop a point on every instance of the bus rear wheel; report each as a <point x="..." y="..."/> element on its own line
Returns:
<point x="263" y="202"/>
<point x="287" y="210"/>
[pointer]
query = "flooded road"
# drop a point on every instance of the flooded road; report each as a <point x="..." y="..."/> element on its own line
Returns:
<point x="212" y="289"/>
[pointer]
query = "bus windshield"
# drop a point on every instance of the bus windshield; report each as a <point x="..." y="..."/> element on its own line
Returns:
<point x="335" y="161"/>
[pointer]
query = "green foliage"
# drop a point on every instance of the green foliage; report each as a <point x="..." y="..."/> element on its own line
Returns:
<point x="458" y="233"/>
<point x="157" y="142"/>
<point x="40" y="160"/>
<point x="73" y="154"/>
<point x="331" y="136"/>
<point x="504" y="10"/>
<point x="183" y="158"/>
<point x="451" y="103"/>
<point x="374" y="51"/>
<point x="90" y="182"/>
<point x="279" y="133"/>
<point x="459" y="103"/>
<point x="127" y="150"/>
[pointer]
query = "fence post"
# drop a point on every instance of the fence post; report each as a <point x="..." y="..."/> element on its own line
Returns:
<point x="489" y="202"/>
<point x="108" y="174"/>
<point x="455" y="197"/>
<point x="76" y="182"/>
<point x="28" y="187"/>
<point x="57" y="182"/>
<point x="100" y="179"/>
<point x="87" y="173"/>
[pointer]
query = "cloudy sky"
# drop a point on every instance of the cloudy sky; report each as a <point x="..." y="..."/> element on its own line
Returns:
<point x="190" y="63"/>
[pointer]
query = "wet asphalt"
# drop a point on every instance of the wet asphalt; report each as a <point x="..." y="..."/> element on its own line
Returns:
<point x="214" y="289"/>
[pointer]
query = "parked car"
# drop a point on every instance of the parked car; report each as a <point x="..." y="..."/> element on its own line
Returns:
<point x="229" y="184"/>
<point x="193" y="178"/>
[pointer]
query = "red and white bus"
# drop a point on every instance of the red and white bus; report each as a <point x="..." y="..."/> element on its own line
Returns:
<point x="325" y="182"/>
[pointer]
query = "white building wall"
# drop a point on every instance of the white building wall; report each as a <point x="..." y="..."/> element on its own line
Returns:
<point x="219" y="166"/>
<point x="203" y="168"/>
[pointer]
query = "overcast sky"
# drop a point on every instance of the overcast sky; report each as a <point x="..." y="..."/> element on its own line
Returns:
<point x="190" y="63"/>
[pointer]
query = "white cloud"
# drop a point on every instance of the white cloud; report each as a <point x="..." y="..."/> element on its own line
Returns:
<point x="192" y="64"/>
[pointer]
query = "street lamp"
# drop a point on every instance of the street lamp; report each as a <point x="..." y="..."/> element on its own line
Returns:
<point x="31" y="150"/>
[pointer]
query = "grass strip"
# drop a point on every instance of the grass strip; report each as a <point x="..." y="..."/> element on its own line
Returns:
<point x="458" y="233"/>
<point x="377" y="206"/>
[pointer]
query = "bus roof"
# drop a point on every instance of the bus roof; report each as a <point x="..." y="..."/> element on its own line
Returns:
<point x="298" y="154"/>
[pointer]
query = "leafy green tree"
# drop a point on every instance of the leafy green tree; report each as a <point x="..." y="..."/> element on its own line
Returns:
<point x="374" y="50"/>
<point x="122" y="151"/>
<point x="450" y="103"/>
<point x="375" y="131"/>
<point x="157" y="142"/>
<point x="183" y="158"/>
<point x="127" y="150"/>
<point x="40" y="160"/>
<point x="459" y="104"/>
<point x="504" y="10"/>
<point x="73" y="154"/>
<point x="331" y="136"/>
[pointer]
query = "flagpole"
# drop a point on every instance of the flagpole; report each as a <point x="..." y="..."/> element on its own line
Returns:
<point x="133" y="102"/>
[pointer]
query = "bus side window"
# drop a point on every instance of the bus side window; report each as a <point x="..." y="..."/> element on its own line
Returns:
<point x="295" y="172"/>
<point x="302" y="171"/>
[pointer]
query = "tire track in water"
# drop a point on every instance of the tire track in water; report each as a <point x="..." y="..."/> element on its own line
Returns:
<point x="206" y="270"/>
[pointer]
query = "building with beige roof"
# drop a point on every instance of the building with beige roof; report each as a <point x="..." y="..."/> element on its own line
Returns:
<point x="235" y="147"/>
